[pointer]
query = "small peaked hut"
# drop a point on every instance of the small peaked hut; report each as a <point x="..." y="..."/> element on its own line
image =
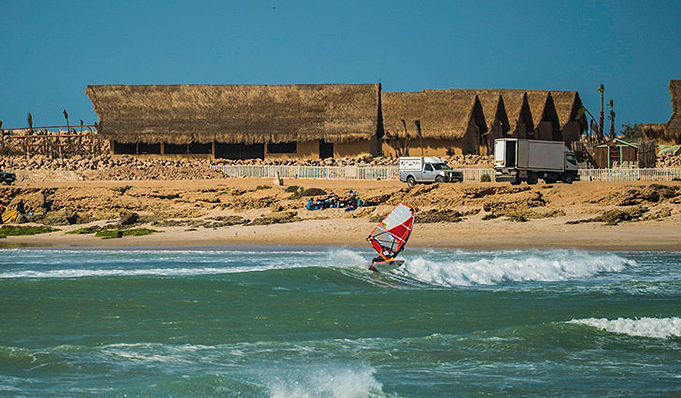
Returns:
<point x="240" y="121"/>
<point x="432" y="123"/>
<point x="519" y="114"/>
<point x="544" y="115"/>
<point x="614" y="153"/>
<point x="673" y="127"/>
<point x="538" y="114"/>
<point x="571" y="115"/>
<point x="494" y="110"/>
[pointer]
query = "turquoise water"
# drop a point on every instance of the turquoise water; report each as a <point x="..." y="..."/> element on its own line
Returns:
<point x="263" y="321"/>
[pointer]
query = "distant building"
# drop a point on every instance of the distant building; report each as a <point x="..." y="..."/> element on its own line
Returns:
<point x="432" y="123"/>
<point x="240" y="121"/>
<point x="494" y="111"/>
<point x="313" y="121"/>
<point x="615" y="152"/>
<point x="536" y="114"/>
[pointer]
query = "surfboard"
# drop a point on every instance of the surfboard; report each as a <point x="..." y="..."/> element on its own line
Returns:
<point x="385" y="266"/>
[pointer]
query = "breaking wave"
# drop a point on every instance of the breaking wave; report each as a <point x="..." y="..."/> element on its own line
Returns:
<point x="326" y="381"/>
<point x="643" y="327"/>
<point x="491" y="268"/>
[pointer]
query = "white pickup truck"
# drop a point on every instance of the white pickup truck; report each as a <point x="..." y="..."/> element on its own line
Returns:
<point x="426" y="170"/>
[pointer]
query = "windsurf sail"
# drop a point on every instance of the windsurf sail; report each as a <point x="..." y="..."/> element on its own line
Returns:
<point x="391" y="234"/>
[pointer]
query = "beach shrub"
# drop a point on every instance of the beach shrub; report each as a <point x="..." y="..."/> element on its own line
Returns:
<point x="119" y="233"/>
<point x="12" y="230"/>
<point x="138" y="232"/>
<point x="485" y="178"/>
<point x="276" y="218"/>
<point x="260" y="187"/>
<point x="293" y="189"/>
<point x="313" y="192"/>
<point x="109" y="233"/>
<point x="307" y="192"/>
<point x="85" y="231"/>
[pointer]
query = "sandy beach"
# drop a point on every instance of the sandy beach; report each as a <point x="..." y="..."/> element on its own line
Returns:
<point x="480" y="215"/>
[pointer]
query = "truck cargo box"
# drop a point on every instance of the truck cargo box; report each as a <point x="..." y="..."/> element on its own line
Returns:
<point x="541" y="155"/>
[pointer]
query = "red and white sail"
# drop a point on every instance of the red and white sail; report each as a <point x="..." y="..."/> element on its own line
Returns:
<point x="391" y="234"/>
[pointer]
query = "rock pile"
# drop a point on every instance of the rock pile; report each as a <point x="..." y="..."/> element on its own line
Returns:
<point x="107" y="167"/>
<point x="668" y="160"/>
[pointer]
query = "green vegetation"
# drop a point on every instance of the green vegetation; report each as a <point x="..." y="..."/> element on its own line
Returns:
<point x="11" y="230"/>
<point x="485" y="178"/>
<point x="109" y="233"/>
<point x="632" y="133"/>
<point x="112" y="232"/>
<point x="260" y="187"/>
<point x="85" y="231"/>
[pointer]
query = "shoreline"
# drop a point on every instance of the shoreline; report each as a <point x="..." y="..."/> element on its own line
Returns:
<point x="539" y="235"/>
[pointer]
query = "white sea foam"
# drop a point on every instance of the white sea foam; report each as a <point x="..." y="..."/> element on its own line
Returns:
<point x="326" y="381"/>
<point x="643" y="327"/>
<point x="84" y="273"/>
<point x="475" y="268"/>
<point x="346" y="258"/>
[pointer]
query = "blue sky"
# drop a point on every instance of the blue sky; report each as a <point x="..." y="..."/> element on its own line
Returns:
<point x="51" y="50"/>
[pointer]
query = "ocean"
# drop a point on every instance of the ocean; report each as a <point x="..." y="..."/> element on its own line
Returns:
<point x="314" y="322"/>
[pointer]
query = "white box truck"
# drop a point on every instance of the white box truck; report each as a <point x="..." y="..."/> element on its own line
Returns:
<point x="426" y="170"/>
<point x="518" y="160"/>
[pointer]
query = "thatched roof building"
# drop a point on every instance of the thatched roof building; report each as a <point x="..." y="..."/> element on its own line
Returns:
<point x="546" y="125"/>
<point x="447" y="121"/>
<point x="673" y="128"/>
<point x="186" y="113"/>
<point x="494" y="110"/>
<point x="569" y="107"/>
<point x="559" y="111"/>
<point x="571" y="115"/>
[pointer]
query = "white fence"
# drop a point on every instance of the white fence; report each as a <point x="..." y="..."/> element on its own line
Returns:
<point x="390" y="173"/>
<point x="310" y="172"/>
<point x="330" y="172"/>
<point x="633" y="174"/>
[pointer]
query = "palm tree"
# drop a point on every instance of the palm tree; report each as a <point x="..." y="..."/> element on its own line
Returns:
<point x="612" y="120"/>
<point x="66" y="116"/>
<point x="601" y="89"/>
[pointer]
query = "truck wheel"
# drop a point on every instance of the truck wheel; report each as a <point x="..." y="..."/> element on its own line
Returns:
<point x="439" y="179"/>
<point x="567" y="178"/>
<point x="532" y="178"/>
<point x="411" y="181"/>
<point x="516" y="181"/>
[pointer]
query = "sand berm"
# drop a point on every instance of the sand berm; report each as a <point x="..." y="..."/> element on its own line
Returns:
<point x="224" y="211"/>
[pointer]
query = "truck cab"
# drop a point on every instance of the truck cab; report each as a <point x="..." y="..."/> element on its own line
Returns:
<point x="426" y="170"/>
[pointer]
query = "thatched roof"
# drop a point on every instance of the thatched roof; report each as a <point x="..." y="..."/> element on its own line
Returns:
<point x="493" y="105"/>
<point x="569" y="108"/>
<point x="181" y="114"/>
<point x="654" y="131"/>
<point x="673" y="128"/>
<point x="540" y="101"/>
<point x="442" y="115"/>
<point x="545" y="105"/>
